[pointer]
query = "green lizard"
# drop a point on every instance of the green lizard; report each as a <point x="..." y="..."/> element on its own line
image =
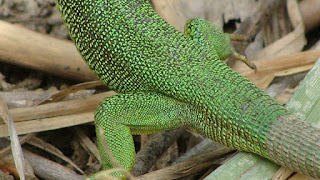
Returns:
<point x="166" y="80"/>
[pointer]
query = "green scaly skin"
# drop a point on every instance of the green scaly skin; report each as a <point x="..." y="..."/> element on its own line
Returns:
<point x="168" y="81"/>
<point x="207" y="34"/>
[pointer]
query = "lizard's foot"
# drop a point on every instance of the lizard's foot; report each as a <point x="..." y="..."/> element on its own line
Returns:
<point x="244" y="59"/>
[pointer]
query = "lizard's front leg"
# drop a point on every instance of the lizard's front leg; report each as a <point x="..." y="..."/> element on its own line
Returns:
<point x="210" y="35"/>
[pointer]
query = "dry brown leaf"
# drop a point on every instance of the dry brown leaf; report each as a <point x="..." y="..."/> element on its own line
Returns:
<point x="41" y="118"/>
<point x="87" y="143"/>
<point x="88" y="103"/>
<point x="219" y="12"/>
<point x="39" y="143"/>
<point x="34" y="50"/>
<point x="282" y="174"/>
<point x="74" y="88"/>
<point x="15" y="144"/>
<point x="45" y="124"/>
<point x="187" y="167"/>
<point x="268" y="69"/>
<point x="292" y="42"/>
<point x="47" y="169"/>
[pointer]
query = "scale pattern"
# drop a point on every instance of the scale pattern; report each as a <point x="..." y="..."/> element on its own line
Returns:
<point x="132" y="49"/>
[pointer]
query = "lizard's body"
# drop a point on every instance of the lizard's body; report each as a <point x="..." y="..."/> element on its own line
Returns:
<point x="132" y="50"/>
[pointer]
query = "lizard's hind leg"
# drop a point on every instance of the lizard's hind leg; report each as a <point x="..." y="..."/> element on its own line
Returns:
<point x="137" y="113"/>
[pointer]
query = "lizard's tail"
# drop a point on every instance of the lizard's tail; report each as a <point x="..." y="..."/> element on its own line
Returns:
<point x="294" y="143"/>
